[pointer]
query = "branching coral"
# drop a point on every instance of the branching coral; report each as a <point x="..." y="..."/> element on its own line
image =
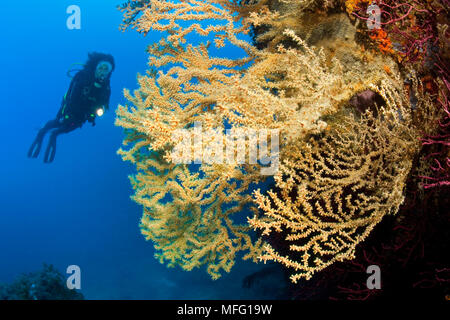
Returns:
<point x="336" y="189"/>
<point x="440" y="167"/>
<point x="188" y="211"/>
<point x="411" y="30"/>
<point x="419" y="31"/>
<point x="47" y="284"/>
<point x="188" y="214"/>
<point x="340" y="173"/>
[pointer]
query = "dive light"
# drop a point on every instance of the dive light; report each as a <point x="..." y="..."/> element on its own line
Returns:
<point x="100" y="112"/>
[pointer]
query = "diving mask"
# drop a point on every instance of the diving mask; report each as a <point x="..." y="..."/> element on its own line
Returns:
<point x="102" y="71"/>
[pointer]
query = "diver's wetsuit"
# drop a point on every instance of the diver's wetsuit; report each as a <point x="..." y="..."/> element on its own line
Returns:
<point x="78" y="105"/>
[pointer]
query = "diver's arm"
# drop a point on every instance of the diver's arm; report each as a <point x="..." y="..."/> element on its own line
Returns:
<point x="105" y="98"/>
<point x="65" y="99"/>
<point x="75" y="99"/>
<point x="98" y="109"/>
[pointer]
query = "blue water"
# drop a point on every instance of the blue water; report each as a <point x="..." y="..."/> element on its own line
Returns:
<point x="77" y="210"/>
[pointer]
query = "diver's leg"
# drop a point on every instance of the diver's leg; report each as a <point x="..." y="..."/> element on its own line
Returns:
<point x="37" y="143"/>
<point x="51" y="148"/>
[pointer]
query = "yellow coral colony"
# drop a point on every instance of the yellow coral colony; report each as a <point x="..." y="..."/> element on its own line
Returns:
<point x="188" y="213"/>
<point x="340" y="171"/>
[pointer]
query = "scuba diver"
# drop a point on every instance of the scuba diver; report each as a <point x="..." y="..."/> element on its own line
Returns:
<point x="87" y="97"/>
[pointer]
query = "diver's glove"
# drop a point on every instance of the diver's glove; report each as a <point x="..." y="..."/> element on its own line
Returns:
<point x="91" y="119"/>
